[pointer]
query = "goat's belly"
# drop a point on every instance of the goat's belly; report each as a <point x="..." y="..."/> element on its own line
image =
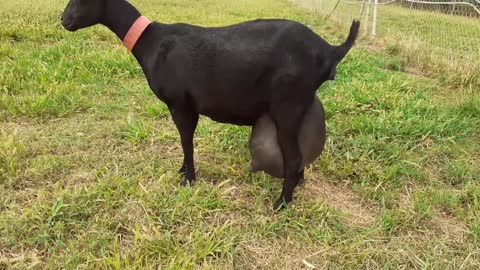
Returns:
<point x="229" y="113"/>
<point x="234" y="106"/>
<point x="232" y="118"/>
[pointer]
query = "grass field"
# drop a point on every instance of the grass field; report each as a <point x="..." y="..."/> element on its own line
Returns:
<point x="88" y="158"/>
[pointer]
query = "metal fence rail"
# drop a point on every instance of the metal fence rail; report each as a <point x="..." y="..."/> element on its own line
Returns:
<point x="432" y="33"/>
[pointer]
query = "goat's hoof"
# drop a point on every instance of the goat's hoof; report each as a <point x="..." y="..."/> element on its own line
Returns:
<point x="186" y="183"/>
<point x="280" y="204"/>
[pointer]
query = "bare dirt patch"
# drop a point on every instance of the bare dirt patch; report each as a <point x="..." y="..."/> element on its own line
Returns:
<point x="356" y="209"/>
<point x="280" y="254"/>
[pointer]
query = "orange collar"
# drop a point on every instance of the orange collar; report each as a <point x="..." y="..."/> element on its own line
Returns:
<point x="135" y="32"/>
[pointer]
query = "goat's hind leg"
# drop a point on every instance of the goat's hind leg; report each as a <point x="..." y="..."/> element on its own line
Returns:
<point x="186" y="122"/>
<point x="301" y="177"/>
<point x="288" y="125"/>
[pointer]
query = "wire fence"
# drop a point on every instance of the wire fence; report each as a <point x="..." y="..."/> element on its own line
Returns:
<point x="441" y="36"/>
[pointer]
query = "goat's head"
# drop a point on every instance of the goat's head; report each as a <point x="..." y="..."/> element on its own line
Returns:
<point x="79" y="14"/>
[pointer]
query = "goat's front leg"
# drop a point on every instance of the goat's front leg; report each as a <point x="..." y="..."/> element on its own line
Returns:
<point x="186" y="122"/>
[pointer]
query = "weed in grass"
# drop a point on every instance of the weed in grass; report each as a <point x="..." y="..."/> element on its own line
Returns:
<point x="157" y="109"/>
<point x="135" y="130"/>
<point x="10" y="154"/>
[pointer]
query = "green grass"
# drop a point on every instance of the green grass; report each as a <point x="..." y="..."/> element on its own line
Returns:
<point x="88" y="160"/>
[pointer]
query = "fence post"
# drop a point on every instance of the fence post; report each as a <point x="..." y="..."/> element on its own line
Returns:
<point x="366" y="16"/>
<point x="374" y="23"/>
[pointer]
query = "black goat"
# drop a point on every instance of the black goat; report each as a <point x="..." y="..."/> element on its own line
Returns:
<point x="232" y="74"/>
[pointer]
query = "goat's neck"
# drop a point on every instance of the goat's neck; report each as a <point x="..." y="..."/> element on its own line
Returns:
<point x="119" y="17"/>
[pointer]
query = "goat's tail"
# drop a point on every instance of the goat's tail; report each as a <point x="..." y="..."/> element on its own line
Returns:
<point x="343" y="49"/>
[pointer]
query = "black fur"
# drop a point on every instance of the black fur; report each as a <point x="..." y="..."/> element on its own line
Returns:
<point x="232" y="74"/>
